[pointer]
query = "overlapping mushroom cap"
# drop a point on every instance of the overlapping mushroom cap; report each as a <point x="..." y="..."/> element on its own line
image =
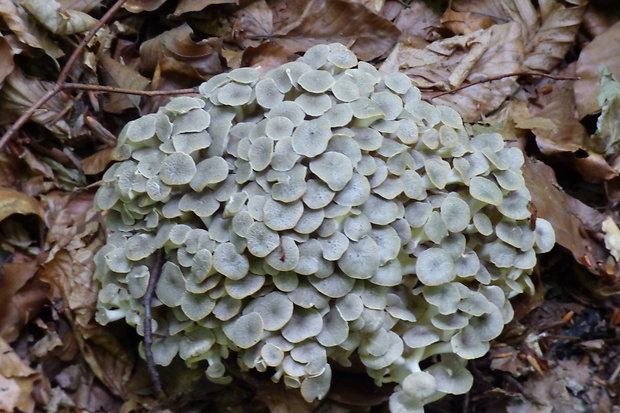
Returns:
<point x="317" y="211"/>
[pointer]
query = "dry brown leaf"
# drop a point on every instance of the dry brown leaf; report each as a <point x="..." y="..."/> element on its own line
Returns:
<point x="15" y="202"/>
<point x="603" y="49"/>
<point x="6" y="59"/>
<point x="555" y="36"/>
<point x="56" y="19"/>
<point x="188" y="6"/>
<point x="200" y="59"/>
<point x="451" y="62"/>
<point x="19" y="92"/>
<point x="376" y="6"/>
<point x="138" y="6"/>
<point x="74" y="236"/>
<point x="267" y="56"/>
<point x="555" y="206"/>
<point x="12" y="18"/>
<point x="465" y="22"/>
<point x="418" y="19"/>
<point x="119" y="75"/>
<point x="98" y="162"/>
<point x="253" y="24"/>
<point x="327" y="21"/>
<point x="80" y="5"/>
<point x="22" y="296"/>
<point x="16" y="382"/>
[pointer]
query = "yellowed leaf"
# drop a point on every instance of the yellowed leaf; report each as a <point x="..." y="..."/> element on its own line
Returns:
<point x="15" y="202"/>
<point x="465" y="22"/>
<point x="97" y="162"/>
<point x="138" y="6"/>
<point x="116" y="74"/>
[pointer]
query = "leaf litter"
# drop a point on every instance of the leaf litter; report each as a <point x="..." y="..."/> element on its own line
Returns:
<point x="529" y="69"/>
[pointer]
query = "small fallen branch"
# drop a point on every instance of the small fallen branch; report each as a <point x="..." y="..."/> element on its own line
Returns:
<point x="498" y="77"/>
<point x="64" y="74"/>
<point x="111" y="89"/>
<point x="147" y="300"/>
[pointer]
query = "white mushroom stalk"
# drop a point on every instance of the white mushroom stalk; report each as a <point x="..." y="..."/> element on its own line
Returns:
<point x="312" y="213"/>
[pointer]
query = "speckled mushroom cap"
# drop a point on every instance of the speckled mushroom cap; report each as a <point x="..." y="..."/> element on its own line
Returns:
<point x="320" y="210"/>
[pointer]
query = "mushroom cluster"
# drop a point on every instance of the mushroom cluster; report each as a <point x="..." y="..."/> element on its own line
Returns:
<point x="312" y="213"/>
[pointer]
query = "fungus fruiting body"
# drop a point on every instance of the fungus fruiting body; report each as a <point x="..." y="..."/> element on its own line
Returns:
<point x="314" y="212"/>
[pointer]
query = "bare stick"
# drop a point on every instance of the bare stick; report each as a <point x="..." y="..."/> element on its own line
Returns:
<point x="147" y="300"/>
<point x="498" y="77"/>
<point x="111" y="89"/>
<point x="62" y="77"/>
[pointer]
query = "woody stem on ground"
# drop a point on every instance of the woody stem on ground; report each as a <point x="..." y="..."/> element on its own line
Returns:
<point x="498" y="77"/>
<point x="147" y="300"/>
<point x="62" y="77"/>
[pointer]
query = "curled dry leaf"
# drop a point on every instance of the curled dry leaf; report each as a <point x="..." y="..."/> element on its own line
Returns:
<point x="11" y="16"/>
<point x="16" y="381"/>
<point x="15" y="202"/>
<point x="200" y="60"/>
<point x="20" y="92"/>
<point x="555" y="36"/>
<point x="57" y="19"/>
<point x="417" y="19"/>
<point x="138" y="6"/>
<point x="253" y="24"/>
<point x="267" y="56"/>
<point x="327" y="21"/>
<point x="449" y="63"/>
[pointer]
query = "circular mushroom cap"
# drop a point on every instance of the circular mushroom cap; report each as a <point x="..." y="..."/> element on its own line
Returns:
<point x="177" y="169"/>
<point x="434" y="266"/>
<point x="246" y="330"/>
<point x="420" y="385"/>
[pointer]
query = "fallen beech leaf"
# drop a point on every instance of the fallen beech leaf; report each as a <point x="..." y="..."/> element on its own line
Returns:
<point x="11" y="16"/>
<point x="187" y="6"/>
<point x="465" y="22"/>
<point x="116" y="74"/>
<point x="451" y="62"/>
<point x="57" y="19"/>
<point x="98" y="162"/>
<point x="555" y="35"/>
<point x="417" y="19"/>
<point x="554" y="205"/>
<point x="16" y="381"/>
<point x="327" y="21"/>
<point x="604" y="48"/>
<point x="267" y="56"/>
<point x="138" y="6"/>
<point x="253" y="23"/>
<point x="6" y="59"/>
<point x="202" y="58"/>
<point x="19" y="92"/>
<point x="22" y="296"/>
<point x="15" y="202"/>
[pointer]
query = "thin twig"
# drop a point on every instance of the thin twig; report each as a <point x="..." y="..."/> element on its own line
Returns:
<point x="498" y="77"/>
<point x="62" y="77"/>
<point x="147" y="300"/>
<point x="111" y="89"/>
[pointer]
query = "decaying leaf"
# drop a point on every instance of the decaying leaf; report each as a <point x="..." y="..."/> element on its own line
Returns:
<point x="465" y="22"/>
<point x="603" y="49"/>
<point x="16" y="382"/>
<point x="119" y="75"/>
<point x="56" y="19"/>
<point x="6" y="58"/>
<point x="451" y="62"/>
<point x="15" y="202"/>
<point x="19" y="92"/>
<point x="327" y="21"/>
<point x="73" y="238"/>
<point x="197" y="59"/>
<point x="98" y="162"/>
<point x="555" y="35"/>
<point x="11" y="16"/>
